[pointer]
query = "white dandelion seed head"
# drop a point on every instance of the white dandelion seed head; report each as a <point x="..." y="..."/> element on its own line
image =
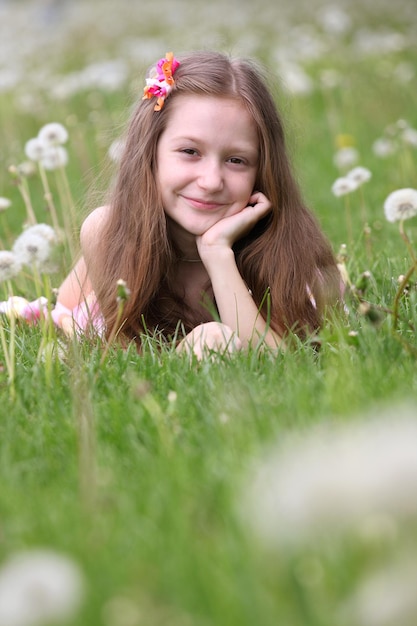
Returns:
<point x="383" y="147"/>
<point x="5" y="203"/>
<point x="359" y="174"/>
<point x="386" y="597"/>
<point x="334" y="20"/>
<point x="39" y="587"/>
<point x="331" y="479"/>
<point x="9" y="265"/>
<point x="330" y="79"/>
<point x="404" y="72"/>
<point x="54" y="158"/>
<point x="295" y="79"/>
<point x="35" y="149"/>
<point x="401" y="124"/>
<point x="401" y="205"/>
<point x="409" y="137"/>
<point x="26" y="169"/>
<point x="32" y="248"/>
<point x="53" y="134"/>
<point x="44" y="230"/>
<point x="343" y="186"/>
<point x="346" y="157"/>
<point x="116" y="150"/>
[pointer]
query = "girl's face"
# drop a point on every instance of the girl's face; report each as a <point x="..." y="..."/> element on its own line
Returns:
<point x="207" y="162"/>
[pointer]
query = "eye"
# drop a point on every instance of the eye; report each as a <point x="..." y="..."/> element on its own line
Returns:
<point x="236" y="161"/>
<point x="189" y="151"/>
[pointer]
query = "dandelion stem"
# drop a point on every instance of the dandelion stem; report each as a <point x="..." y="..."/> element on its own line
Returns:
<point x="48" y="197"/>
<point x="399" y="293"/>
<point x="348" y="220"/>
<point x="9" y="348"/>
<point x="68" y="200"/>
<point x="24" y="192"/>
<point x="407" y="242"/>
<point x="9" y="364"/>
<point x="114" y="331"/>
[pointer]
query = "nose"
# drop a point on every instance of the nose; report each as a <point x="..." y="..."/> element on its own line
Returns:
<point x="211" y="176"/>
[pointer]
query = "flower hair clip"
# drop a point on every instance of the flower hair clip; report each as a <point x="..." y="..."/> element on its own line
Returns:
<point x="160" y="82"/>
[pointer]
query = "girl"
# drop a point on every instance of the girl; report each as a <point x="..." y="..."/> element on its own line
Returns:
<point x="205" y="222"/>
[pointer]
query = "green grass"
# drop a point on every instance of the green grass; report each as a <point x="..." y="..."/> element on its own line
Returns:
<point x="135" y="467"/>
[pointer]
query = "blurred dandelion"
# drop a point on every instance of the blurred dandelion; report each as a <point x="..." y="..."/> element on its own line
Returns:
<point x="35" y="149"/>
<point x="361" y="175"/>
<point x="48" y="152"/>
<point x="343" y="186"/>
<point x="334" y="20"/>
<point x="345" y="157"/>
<point x="409" y="137"/>
<point x="54" y="158"/>
<point x="386" y="597"/>
<point x="35" y="247"/>
<point x="5" y="203"/>
<point x="38" y="587"/>
<point x="26" y="169"/>
<point x="115" y="150"/>
<point x="401" y="205"/>
<point x="53" y="134"/>
<point x="10" y="265"/>
<point x="335" y="476"/>
<point x="384" y="147"/>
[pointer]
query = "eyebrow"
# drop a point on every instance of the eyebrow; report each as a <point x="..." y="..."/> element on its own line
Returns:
<point x="234" y="148"/>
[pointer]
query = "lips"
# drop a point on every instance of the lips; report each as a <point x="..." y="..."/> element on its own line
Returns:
<point x="203" y="204"/>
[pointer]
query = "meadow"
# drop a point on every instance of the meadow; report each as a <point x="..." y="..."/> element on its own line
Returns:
<point x="249" y="490"/>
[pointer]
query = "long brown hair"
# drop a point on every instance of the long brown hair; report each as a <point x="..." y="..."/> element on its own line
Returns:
<point x="285" y="260"/>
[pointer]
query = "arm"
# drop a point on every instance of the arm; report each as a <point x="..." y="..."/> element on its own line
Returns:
<point x="235" y="304"/>
<point x="77" y="286"/>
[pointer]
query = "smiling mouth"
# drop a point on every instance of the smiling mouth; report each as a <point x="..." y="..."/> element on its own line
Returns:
<point x="203" y="204"/>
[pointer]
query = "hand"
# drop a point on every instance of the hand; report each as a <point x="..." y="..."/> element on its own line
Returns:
<point x="229" y="229"/>
<point x="209" y="339"/>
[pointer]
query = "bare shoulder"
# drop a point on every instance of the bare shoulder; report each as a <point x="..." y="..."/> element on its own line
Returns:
<point x="91" y="227"/>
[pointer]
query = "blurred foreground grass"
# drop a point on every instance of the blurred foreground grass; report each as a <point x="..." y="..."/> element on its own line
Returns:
<point x="136" y="469"/>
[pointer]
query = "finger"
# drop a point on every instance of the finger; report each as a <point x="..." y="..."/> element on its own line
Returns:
<point x="258" y="198"/>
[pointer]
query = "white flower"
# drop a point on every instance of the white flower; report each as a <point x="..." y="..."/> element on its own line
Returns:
<point x="404" y="72"/>
<point x="26" y="169"/>
<point x="35" y="246"/>
<point x="359" y="174"/>
<point x="334" y="478"/>
<point x="409" y="136"/>
<point x="45" y="231"/>
<point x="9" y="265"/>
<point x="53" y="134"/>
<point x="401" y="205"/>
<point x="35" y="149"/>
<point x="295" y="80"/>
<point x="116" y="150"/>
<point x="387" y="597"/>
<point x="383" y="147"/>
<point x="346" y="157"/>
<point x="334" y="20"/>
<point x="54" y="158"/>
<point x="330" y="79"/>
<point x="38" y="587"/>
<point x="344" y="185"/>
<point x="5" y="203"/>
